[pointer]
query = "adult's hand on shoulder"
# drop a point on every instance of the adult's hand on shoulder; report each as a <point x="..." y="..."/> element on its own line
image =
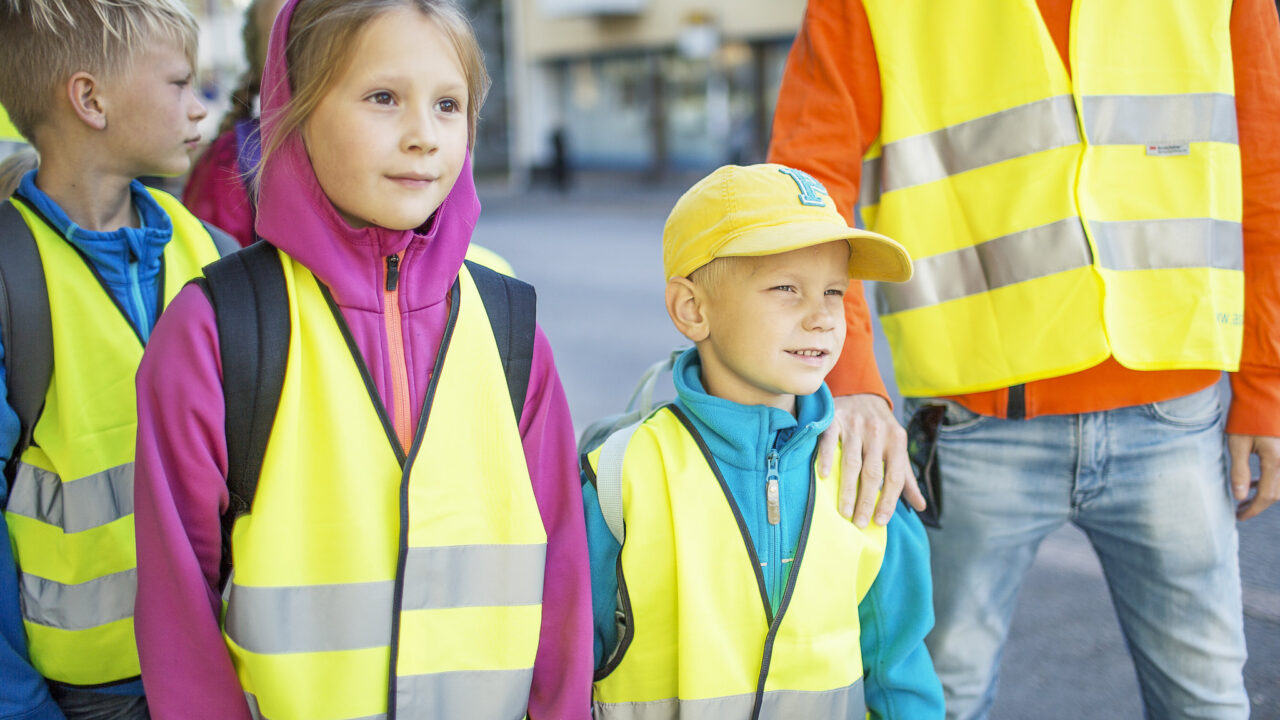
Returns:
<point x="874" y="459"/>
<point x="1267" y="449"/>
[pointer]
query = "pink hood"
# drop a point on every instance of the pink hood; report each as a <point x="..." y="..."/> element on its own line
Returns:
<point x="295" y="216"/>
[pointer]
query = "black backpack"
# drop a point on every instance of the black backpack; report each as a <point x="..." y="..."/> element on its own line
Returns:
<point x="247" y="291"/>
<point x="24" y="314"/>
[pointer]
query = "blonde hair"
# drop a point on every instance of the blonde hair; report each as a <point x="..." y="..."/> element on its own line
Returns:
<point x="14" y="167"/>
<point x="713" y="276"/>
<point x="321" y="36"/>
<point x="45" y="42"/>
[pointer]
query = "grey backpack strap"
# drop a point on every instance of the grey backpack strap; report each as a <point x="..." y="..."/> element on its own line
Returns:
<point x="609" y="478"/>
<point x="512" y="307"/>
<point x="224" y="243"/>
<point x="24" y="314"/>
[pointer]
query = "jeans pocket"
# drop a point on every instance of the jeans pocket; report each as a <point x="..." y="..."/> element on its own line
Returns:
<point x="1199" y="409"/>
<point x="957" y="418"/>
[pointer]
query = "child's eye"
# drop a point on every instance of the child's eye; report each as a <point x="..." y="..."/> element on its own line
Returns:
<point x="785" y="288"/>
<point x="836" y="292"/>
<point x="382" y="97"/>
<point x="450" y="105"/>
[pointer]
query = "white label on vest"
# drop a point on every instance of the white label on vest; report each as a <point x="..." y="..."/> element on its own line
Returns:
<point x="1169" y="149"/>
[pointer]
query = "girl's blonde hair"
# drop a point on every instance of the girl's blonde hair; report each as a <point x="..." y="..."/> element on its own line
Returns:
<point x="321" y="36"/>
<point x="45" y="42"/>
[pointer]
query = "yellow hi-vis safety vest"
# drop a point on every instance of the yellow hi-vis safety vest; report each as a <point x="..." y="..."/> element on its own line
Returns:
<point x="1053" y="219"/>
<point x="70" y="512"/>
<point x="364" y="573"/>
<point x="700" y="640"/>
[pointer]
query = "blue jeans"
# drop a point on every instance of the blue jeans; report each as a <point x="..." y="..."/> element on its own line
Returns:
<point x="1148" y="486"/>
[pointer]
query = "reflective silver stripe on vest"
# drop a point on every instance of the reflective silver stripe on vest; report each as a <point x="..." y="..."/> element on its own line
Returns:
<point x="1147" y="119"/>
<point x="1178" y="243"/>
<point x="75" y="506"/>
<point x="843" y="704"/>
<point x="1016" y="132"/>
<point x="465" y="694"/>
<point x="256" y="713"/>
<point x="869" y="192"/>
<point x="1002" y="261"/>
<point x="474" y="576"/>
<point x="353" y="616"/>
<point x="79" y="607"/>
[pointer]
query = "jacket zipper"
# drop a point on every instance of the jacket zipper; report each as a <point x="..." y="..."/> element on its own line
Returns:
<point x="135" y="297"/>
<point x="395" y="345"/>
<point x="773" y="506"/>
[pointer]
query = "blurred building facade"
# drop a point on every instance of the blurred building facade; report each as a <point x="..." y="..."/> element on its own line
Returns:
<point x="646" y="85"/>
<point x="649" y="86"/>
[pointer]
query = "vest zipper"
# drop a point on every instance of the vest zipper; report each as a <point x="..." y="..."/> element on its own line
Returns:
<point x="773" y="506"/>
<point x="395" y="346"/>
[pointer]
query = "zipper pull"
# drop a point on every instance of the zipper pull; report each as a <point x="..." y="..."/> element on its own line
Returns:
<point x="771" y="489"/>
<point x="393" y="272"/>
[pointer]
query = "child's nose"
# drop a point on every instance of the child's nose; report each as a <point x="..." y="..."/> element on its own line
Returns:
<point x="198" y="110"/>
<point x="821" y="316"/>
<point x="419" y="133"/>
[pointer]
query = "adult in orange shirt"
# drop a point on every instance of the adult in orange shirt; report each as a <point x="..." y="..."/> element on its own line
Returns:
<point x="1121" y="437"/>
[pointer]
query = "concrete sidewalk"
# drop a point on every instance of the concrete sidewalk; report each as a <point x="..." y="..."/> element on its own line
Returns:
<point x="595" y="257"/>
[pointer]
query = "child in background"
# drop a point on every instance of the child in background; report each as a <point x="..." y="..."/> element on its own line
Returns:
<point x="103" y="90"/>
<point x="218" y="190"/>
<point x="411" y="548"/>
<point x="733" y="593"/>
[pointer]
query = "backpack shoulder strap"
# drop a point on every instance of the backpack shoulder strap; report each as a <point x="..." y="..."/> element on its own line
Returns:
<point x="224" y="243"/>
<point x="609" y="478"/>
<point x="24" y="314"/>
<point x="251" y="304"/>
<point x="512" y="308"/>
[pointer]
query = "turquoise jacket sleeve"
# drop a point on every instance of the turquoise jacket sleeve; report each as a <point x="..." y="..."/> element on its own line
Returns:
<point x="23" y="693"/>
<point x="603" y="550"/>
<point x="896" y="615"/>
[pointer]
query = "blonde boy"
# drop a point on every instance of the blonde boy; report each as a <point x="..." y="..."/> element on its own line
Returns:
<point x="731" y="590"/>
<point x="104" y="91"/>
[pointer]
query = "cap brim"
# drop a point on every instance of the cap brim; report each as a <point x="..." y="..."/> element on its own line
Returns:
<point x="872" y="256"/>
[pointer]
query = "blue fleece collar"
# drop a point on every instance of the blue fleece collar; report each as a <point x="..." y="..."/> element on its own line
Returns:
<point x="111" y="252"/>
<point x="741" y="435"/>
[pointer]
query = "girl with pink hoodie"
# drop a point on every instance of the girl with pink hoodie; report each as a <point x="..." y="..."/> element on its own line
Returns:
<point x="412" y="550"/>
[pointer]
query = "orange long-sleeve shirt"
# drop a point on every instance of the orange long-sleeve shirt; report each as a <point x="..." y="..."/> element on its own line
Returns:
<point x="829" y="114"/>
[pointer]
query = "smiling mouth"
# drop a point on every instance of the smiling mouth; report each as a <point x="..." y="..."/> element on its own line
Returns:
<point x="808" y="353"/>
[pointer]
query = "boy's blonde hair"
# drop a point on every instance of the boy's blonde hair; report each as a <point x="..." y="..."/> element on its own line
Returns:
<point x="45" y="42"/>
<point x="321" y="36"/>
<point x="713" y="276"/>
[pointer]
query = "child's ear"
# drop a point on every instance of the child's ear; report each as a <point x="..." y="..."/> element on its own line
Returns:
<point x="685" y="306"/>
<point x="84" y="92"/>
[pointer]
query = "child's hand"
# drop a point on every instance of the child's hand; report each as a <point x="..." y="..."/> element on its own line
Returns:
<point x="875" y="458"/>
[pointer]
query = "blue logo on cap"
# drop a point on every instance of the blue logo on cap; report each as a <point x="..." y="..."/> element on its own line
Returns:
<point x="811" y="191"/>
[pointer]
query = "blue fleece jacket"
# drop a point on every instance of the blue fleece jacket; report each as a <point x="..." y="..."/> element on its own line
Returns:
<point x="897" y="611"/>
<point x="128" y="261"/>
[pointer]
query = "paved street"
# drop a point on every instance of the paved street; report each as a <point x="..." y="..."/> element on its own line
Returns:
<point x="595" y="259"/>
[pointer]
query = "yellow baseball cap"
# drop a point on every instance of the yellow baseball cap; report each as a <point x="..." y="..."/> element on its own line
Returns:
<point x="765" y="210"/>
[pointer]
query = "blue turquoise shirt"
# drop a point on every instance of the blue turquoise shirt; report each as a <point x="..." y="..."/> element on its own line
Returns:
<point x="897" y="611"/>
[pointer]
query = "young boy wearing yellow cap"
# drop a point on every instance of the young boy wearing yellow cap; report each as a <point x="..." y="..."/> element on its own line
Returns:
<point x="732" y="588"/>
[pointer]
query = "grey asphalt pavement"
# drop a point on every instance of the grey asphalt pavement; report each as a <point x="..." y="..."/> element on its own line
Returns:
<point x="595" y="257"/>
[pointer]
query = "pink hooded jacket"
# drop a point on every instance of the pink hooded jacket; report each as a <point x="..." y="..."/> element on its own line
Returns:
<point x="180" y="485"/>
